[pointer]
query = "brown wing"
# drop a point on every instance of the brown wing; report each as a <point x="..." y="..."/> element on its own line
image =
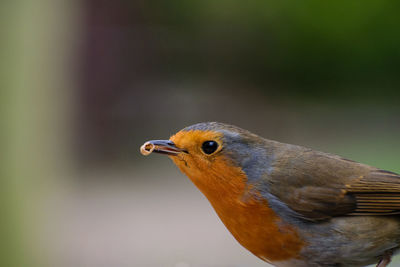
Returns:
<point x="378" y="193"/>
<point x="319" y="186"/>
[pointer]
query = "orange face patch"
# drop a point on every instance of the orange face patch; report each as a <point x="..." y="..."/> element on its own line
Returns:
<point x="248" y="217"/>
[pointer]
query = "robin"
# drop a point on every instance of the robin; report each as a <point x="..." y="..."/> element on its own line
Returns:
<point x="290" y="205"/>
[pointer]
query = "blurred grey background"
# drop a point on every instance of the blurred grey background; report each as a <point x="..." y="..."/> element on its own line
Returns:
<point x="88" y="82"/>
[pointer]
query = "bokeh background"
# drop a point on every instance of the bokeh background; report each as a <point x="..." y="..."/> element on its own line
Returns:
<point x="85" y="83"/>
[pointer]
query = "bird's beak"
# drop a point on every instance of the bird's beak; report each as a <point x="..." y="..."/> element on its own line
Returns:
<point x="160" y="146"/>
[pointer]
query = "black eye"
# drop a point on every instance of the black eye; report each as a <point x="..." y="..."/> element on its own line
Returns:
<point x="209" y="147"/>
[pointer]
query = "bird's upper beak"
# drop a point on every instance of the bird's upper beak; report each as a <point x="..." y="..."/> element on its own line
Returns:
<point x="160" y="146"/>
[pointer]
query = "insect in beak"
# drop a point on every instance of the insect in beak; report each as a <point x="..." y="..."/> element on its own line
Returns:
<point x="160" y="146"/>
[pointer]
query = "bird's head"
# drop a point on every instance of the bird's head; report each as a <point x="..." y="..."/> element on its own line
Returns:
<point x="212" y="153"/>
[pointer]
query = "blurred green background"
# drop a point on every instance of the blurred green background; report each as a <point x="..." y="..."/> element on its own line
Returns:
<point x="85" y="83"/>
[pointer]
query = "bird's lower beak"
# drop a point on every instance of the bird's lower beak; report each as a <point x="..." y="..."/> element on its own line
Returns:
<point x="160" y="146"/>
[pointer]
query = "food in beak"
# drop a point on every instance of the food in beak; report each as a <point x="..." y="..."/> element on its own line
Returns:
<point x="147" y="148"/>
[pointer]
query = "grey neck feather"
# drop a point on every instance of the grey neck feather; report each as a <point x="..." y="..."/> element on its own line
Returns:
<point x="254" y="158"/>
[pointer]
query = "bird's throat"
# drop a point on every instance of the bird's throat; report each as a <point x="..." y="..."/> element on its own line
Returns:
<point x="245" y="212"/>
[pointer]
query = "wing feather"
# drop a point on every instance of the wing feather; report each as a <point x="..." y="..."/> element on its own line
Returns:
<point x="324" y="185"/>
<point x="378" y="193"/>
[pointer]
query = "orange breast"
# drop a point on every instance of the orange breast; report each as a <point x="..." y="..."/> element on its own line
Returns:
<point x="248" y="217"/>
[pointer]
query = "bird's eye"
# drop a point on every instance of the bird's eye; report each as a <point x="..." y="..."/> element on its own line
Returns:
<point x="209" y="147"/>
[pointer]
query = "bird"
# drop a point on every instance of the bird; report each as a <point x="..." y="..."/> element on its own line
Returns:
<point x="287" y="204"/>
